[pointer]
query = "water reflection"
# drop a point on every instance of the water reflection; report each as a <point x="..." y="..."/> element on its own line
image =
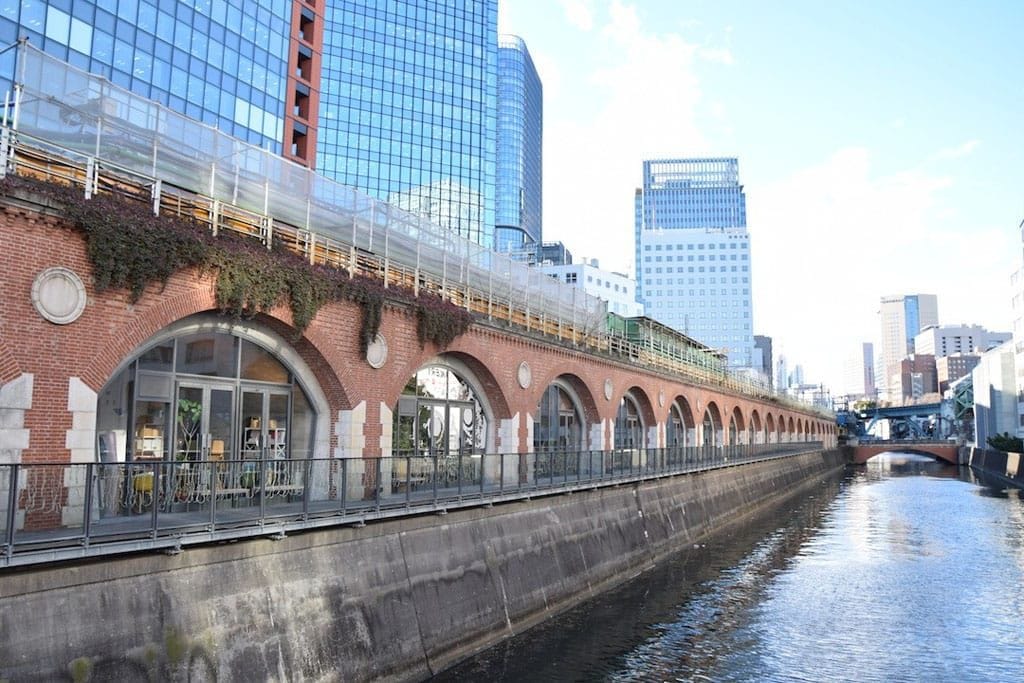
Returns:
<point x="903" y="570"/>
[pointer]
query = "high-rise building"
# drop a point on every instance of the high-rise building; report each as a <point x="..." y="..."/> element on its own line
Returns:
<point x="249" y="68"/>
<point x="945" y="340"/>
<point x="859" y="372"/>
<point x="518" y="193"/>
<point x="901" y="318"/>
<point x="408" y="109"/>
<point x="781" y="374"/>
<point x="764" y="345"/>
<point x="397" y="99"/>
<point x="693" y="252"/>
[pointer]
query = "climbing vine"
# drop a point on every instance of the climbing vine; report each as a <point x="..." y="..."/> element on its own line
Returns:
<point x="130" y="248"/>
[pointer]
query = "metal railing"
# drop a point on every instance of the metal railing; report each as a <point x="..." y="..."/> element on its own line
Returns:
<point x="64" y="511"/>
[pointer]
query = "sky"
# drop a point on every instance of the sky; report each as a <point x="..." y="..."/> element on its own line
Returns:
<point x="879" y="144"/>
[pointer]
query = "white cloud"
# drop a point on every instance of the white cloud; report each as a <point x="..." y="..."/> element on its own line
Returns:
<point x="644" y="95"/>
<point x="956" y="152"/>
<point x="831" y="239"/>
<point x="580" y="13"/>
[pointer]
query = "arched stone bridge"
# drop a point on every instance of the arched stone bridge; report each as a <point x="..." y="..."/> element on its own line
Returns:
<point x="940" y="450"/>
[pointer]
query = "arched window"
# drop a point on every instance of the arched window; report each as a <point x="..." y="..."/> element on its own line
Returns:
<point x="708" y="428"/>
<point x="675" y="431"/>
<point x="207" y="395"/>
<point x="438" y="413"/>
<point x="629" y="426"/>
<point x="557" y="426"/>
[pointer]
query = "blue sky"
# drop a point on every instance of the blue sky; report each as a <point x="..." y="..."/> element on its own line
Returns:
<point x="880" y="146"/>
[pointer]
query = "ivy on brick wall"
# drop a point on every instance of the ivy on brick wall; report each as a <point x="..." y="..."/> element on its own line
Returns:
<point x="131" y="249"/>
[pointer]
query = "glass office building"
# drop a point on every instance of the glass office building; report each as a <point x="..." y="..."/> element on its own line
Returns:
<point x="223" y="62"/>
<point x="396" y="99"/>
<point x="520" y="136"/>
<point x="408" y="106"/>
<point x="693" y="252"/>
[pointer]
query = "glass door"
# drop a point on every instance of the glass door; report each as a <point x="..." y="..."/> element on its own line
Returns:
<point x="264" y="423"/>
<point x="264" y="429"/>
<point x="203" y="424"/>
<point x="203" y="440"/>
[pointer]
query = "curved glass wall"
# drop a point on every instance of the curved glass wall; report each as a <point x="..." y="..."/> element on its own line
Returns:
<point x="557" y="426"/>
<point x="408" y="107"/>
<point x="204" y="396"/>
<point x="518" y="201"/>
<point x="438" y="413"/>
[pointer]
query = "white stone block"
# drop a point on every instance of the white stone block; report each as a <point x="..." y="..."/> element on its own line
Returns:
<point x="17" y="393"/>
<point x="80" y="397"/>
<point x="14" y="439"/>
<point x="12" y="418"/>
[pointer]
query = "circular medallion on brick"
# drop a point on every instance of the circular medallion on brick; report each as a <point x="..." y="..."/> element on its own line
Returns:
<point x="524" y="375"/>
<point x="377" y="352"/>
<point x="59" y="295"/>
<point x="608" y="388"/>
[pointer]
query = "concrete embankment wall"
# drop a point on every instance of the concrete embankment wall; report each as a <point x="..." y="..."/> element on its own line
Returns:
<point x="395" y="600"/>
<point x="1008" y="467"/>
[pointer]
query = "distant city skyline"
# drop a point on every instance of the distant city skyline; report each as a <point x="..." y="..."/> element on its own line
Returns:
<point x="868" y="169"/>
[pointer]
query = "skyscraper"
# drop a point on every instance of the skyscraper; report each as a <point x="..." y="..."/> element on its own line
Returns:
<point x="223" y="63"/>
<point x="409" y="106"/>
<point x="693" y="252"/>
<point x="859" y="372"/>
<point x="520" y="134"/>
<point x="763" y="345"/>
<point x="397" y="99"/>
<point x="901" y="318"/>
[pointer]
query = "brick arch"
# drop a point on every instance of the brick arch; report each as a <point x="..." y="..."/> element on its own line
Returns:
<point x="717" y="425"/>
<point x="685" y="410"/>
<point x="769" y="424"/>
<point x="591" y="413"/>
<point x="149" y="320"/>
<point x="494" y="392"/>
<point x="643" y="402"/>
<point x="682" y="405"/>
<point x="737" y="426"/>
<point x="756" y="430"/>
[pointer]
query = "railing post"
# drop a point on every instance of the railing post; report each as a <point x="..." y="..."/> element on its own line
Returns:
<point x="459" y="476"/>
<point x="344" y="484"/>
<point x="12" y="506"/>
<point x="214" y="479"/>
<point x="157" y="487"/>
<point x="501" y="473"/>
<point x="408" y="478"/>
<point x="377" y="485"/>
<point x="436" y="473"/>
<point x="87" y="511"/>
<point x="307" y="476"/>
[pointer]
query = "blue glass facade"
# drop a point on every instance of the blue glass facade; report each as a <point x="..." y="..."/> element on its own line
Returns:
<point x="693" y="252"/>
<point x="518" y="198"/>
<point x="408" y="106"/>
<point x="223" y="62"/>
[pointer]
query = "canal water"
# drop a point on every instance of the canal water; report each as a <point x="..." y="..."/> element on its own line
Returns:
<point x="901" y="570"/>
